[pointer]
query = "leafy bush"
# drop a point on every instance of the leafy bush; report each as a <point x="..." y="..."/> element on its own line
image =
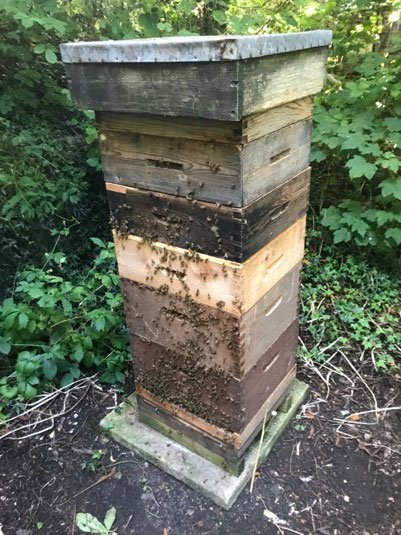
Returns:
<point x="347" y="304"/>
<point x="54" y="327"/>
<point x="358" y="134"/>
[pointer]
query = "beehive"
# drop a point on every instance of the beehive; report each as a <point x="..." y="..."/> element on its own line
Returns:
<point x="205" y="149"/>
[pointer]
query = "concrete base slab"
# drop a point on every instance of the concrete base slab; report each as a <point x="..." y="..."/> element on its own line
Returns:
<point x="195" y="471"/>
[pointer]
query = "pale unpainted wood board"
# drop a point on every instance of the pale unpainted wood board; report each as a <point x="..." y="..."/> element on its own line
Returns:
<point x="232" y="132"/>
<point x="263" y="123"/>
<point x="219" y="283"/>
<point x="273" y="159"/>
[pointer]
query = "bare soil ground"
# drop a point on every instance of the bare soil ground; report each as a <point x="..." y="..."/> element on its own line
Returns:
<point x="333" y="472"/>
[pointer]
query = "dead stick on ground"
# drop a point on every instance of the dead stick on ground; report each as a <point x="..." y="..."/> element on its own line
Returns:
<point x="258" y="453"/>
<point x="103" y="478"/>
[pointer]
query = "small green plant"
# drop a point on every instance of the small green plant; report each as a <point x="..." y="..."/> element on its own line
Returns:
<point x="144" y="484"/>
<point x="90" y="524"/>
<point x="95" y="463"/>
<point x="349" y="305"/>
<point x="56" y="327"/>
<point x="299" y="427"/>
<point x="39" y="525"/>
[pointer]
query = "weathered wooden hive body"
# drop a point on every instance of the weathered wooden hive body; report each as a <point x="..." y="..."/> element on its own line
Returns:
<point x="205" y="148"/>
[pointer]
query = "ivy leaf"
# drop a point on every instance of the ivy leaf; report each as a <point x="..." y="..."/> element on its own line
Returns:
<point x="39" y="49"/>
<point x="100" y="322"/>
<point x="89" y="524"/>
<point x="341" y="235"/>
<point x="67" y="307"/>
<point x="359" y="226"/>
<point x="5" y="346"/>
<point x="22" y="320"/>
<point x="50" y="56"/>
<point x="49" y="369"/>
<point x="317" y="155"/>
<point x="9" y="320"/>
<point x="391" y="187"/>
<point x="8" y="392"/>
<point x="219" y="16"/>
<point x="109" y="518"/>
<point x="354" y="141"/>
<point x="30" y="391"/>
<point x="78" y="352"/>
<point x="395" y="234"/>
<point x="393" y="124"/>
<point x="359" y="167"/>
<point x="66" y="380"/>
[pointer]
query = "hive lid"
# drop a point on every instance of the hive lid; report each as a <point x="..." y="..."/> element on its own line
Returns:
<point x="192" y="49"/>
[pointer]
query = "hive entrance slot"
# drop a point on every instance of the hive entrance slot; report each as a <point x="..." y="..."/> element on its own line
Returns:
<point x="273" y="306"/>
<point x="278" y="211"/>
<point x="280" y="156"/>
<point x="165" y="164"/>
<point x="273" y="360"/>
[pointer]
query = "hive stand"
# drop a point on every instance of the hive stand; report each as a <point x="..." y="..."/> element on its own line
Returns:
<point x="205" y="149"/>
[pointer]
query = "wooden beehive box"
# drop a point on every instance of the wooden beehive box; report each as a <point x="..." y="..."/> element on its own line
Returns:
<point x="205" y="149"/>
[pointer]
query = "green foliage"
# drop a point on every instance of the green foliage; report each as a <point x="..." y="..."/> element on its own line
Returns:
<point x="358" y="133"/>
<point x="54" y="327"/>
<point x="347" y="304"/>
<point x="95" y="463"/>
<point x="90" y="524"/>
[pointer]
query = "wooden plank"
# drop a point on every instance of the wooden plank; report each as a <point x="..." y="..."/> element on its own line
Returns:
<point x="208" y="90"/>
<point x="209" y="280"/>
<point x="186" y="167"/>
<point x="209" y="392"/>
<point x="264" y="123"/>
<point x="151" y="416"/>
<point x="234" y="175"/>
<point x="208" y="441"/>
<point x="217" y="338"/>
<point x="237" y="440"/>
<point x="271" y="160"/>
<point x="271" y="81"/>
<point x="184" y="326"/>
<point x="264" y="323"/>
<point x="227" y="90"/>
<point x="234" y="132"/>
<point x="267" y="217"/>
<point x="174" y="127"/>
<point x="231" y="233"/>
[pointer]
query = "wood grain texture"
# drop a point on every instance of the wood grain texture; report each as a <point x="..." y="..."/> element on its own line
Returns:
<point x="271" y="160"/>
<point x="210" y="393"/>
<point x="218" y="339"/>
<point x="263" y="123"/>
<point x="231" y="233"/>
<point x="208" y="90"/>
<point x="223" y="284"/>
<point x="233" y="132"/>
<point x="269" y="82"/>
<point x="206" y="446"/>
<point x="185" y="167"/>
<point x="226" y="90"/>
<point x="238" y="440"/>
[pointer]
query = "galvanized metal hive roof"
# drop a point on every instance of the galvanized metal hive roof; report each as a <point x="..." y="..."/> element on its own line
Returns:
<point x="192" y="49"/>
